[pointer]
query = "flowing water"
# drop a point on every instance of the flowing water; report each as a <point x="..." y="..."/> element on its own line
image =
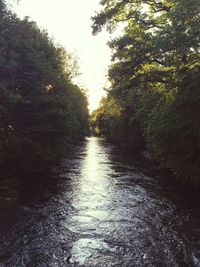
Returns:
<point x="103" y="207"/>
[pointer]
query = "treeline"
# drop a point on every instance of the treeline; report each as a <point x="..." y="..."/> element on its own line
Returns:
<point x="41" y="110"/>
<point x="154" y="98"/>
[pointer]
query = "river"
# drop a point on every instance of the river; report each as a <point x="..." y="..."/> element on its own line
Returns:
<point x="103" y="207"/>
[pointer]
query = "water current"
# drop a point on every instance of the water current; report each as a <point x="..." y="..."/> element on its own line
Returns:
<point x="103" y="207"/>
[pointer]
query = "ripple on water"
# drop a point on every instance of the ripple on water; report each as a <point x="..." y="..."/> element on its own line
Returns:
<point x="101" y="212"/>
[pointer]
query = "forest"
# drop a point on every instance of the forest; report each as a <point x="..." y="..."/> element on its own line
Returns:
<point x="153" y="101"/>
<point x="41" y="110"/>
<point x="116" y="187"/>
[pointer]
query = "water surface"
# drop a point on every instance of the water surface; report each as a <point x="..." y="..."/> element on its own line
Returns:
<point x="103" y="207"/>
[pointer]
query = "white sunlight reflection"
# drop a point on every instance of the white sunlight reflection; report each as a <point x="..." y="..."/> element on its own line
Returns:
<point x="91" y="202"/>
<point x="93" y="188"/>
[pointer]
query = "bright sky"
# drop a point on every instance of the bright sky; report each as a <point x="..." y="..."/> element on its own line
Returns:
<point x="69" y="23"/>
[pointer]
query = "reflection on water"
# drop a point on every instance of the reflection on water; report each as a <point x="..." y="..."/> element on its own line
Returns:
<point x="102" y="208"/>
<point x="91" y="201"/>
<point x="91" y="186"/>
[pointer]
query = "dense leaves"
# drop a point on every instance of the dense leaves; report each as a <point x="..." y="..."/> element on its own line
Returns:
<point x="41" y="110"/>
<point x="155" y="79"/>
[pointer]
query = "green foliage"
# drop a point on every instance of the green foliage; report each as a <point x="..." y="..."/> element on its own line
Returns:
<point x="41" y="110"/>
<point x="155" y="78"/>
<point x="117" y="124"/>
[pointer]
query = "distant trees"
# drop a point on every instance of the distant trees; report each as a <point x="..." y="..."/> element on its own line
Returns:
<point x="155" y="79"/>
<point x="41" y="110"/>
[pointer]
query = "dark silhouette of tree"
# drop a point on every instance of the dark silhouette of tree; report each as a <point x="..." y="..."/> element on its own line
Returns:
<point x="41" y="110"/>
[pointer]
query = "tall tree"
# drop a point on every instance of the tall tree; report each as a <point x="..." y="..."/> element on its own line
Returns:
<point x="155" y="76"/>
<point x="41" y="110"/>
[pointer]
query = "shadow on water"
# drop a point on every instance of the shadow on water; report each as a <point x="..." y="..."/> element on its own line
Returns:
<point x="174" y="207"/>
<point x="102" y="207"/>
<point x="32" y="208"/>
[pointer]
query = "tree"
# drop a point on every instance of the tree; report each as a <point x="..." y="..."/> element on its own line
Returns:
<point x="41" y="110"/>
<point x="155" y="76"/>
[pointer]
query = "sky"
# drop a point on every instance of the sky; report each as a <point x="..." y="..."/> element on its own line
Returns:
<point x="69" y="23"/>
